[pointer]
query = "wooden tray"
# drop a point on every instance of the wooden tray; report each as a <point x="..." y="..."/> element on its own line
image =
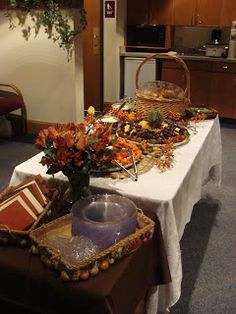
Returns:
<point x="86" y="268"/>
<point x="9" y="236"/>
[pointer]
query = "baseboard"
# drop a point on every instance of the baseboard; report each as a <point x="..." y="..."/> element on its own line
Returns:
<point x="34" y="126"/>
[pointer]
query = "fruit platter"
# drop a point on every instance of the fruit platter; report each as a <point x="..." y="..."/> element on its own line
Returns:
<point x="155" y="130"/>
<point x="123" y="154"/>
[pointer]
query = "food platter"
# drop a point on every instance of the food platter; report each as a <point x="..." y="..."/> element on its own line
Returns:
<point x="114" y="168"/>
<point x="126" y="104"/>
<point x="126" y="155"/>
<point x="185" y="141"/>
<point x="134" y="133"/>
<point x="208" y="113"/>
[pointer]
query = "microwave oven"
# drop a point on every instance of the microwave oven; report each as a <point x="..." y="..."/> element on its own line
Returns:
<point x="146" y="35"/>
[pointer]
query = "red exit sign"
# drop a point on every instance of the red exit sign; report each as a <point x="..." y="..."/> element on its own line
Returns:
<point x="110" y="8"/>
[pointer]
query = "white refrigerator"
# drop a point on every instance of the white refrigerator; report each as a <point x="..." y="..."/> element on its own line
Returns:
<point x="147" y="73"/>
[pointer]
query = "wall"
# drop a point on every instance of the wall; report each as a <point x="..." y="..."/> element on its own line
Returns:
<point x="51" y="85"/>
<point x="196" y="37"/>
<point x="113" y="38"/>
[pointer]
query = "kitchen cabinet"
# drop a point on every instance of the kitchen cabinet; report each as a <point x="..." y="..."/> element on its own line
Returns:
<point x="223" y="89"/>
<point x="149" y="12"/>
<point x="197" y="12"/>
<point x="184" y="12"/>
<point x="228" y="13"/>
<point x="200" y="80"/>
<point x="200" y="73"/>
<point x="161" y="12"/>
<point x="208" y="12"/>
<point x="138" y="11"/>
<point x="213" y="13"/>
<point x="212" y="84"/>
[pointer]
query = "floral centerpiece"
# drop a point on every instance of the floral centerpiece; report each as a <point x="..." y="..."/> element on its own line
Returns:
<point x="78" y="149"/>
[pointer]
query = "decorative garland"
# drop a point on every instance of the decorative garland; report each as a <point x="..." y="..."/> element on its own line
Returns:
<point x="47" y="13"/>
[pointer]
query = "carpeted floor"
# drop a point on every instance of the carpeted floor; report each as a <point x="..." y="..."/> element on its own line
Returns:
<point x="13" y="152"/>
<point x="208" y="244"/>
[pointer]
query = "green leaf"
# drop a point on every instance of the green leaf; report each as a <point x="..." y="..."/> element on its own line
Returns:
<point x="52" y="170"/>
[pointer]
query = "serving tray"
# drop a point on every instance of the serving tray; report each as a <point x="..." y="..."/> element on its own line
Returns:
<point x="91" y="266"/>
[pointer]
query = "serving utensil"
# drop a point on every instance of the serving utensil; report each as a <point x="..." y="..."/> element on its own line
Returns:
<point x="126" y="171"/>
<point x="134" y="175"/>
<point x="134" y="163"/>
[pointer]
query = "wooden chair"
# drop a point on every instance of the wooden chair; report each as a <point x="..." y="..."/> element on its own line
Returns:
<point x="11" y="99"/>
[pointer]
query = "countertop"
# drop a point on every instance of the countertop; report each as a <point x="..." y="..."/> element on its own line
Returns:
<point x="184" y="57"/>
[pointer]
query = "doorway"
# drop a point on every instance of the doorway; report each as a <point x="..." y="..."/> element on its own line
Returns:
<point x="93" y="55"/>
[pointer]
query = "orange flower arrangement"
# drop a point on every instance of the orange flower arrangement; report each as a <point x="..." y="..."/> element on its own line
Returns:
<point x="84" y="147"/>
<point x="76" y="148"/>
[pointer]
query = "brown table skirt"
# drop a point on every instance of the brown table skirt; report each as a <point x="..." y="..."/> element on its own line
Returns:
<point x="25" y="281"/>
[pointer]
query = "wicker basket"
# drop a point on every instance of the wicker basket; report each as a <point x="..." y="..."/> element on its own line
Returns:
<point x="147" y="103"/>
<point x="18" y="237"/>
<point x="85" y="268"/>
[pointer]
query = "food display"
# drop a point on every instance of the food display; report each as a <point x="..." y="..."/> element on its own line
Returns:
<point x="162" y="90"/>
<point x="126" y="104"/>
<point x="207" y="113"/>
<point x="121" y="154"/>
<point x="155" y="130"/>
<point x="109" y="119"/>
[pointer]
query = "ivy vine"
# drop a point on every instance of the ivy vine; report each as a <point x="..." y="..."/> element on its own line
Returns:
<point x="51" y="16"/>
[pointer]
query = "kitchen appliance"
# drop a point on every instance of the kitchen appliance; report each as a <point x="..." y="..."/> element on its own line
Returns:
<point x="146" y="35"/>
<point x="216" y="35"/>
<point x="215" y="49"/>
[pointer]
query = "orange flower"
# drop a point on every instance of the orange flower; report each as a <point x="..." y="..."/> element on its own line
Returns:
<point x="69" y="139"/>
<point x="45" y="161"/>
<point x="78" y="159"/>
<point x="42" y="138"/>
<point x="80" y="127"/>
<point x="52" y="133"/>
<point x="82" y="142"/>
<point x="62" y="158"/>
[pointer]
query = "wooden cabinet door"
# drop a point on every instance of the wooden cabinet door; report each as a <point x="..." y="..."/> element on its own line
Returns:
<point x="208" y="12"/>
<point x="184" y="12"/>
<point x="199" y="88"/>
<point x="161" y="12"/>
<point x="200" y="77"/>
<point x="228" y="12"/>
<point x="138" y="11"/>
<point x="223" y="94"/>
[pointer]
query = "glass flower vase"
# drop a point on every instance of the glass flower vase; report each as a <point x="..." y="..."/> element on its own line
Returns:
<point x="78" y="187"/>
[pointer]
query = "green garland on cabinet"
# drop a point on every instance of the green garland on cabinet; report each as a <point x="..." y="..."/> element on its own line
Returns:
<point x="49" y="14"/>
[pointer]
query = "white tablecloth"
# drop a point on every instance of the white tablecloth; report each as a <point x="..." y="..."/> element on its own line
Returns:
<point x="171" y="195"/>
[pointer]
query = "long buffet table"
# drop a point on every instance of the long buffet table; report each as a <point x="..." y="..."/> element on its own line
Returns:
<point x="171" y="195"/>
